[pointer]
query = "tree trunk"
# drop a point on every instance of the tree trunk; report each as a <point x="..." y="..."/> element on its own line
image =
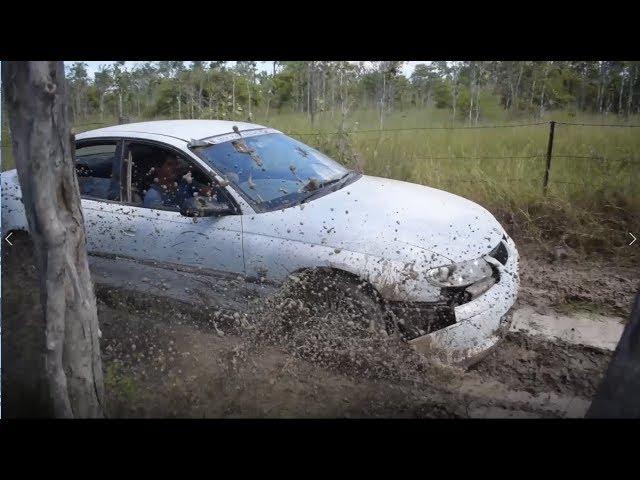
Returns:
<point x="620" y="94"/>
<point x="324" y="89"/>
<point x="632" y="80"/>
<point x="190" y="101"/>
<point x="471" y="91"/>
<point x="74" y="106"/>
<point x="341" y="96"/>
<point x="603" y="86"/>
<point x="309" y="91"/>
<point x="600" y="89"/>
<point x="233" y="98"/>
<point x="36" y="96"/>
<point x="533" y="89"/>
<point x="312" y="93"/>
<point x="249" y="90"/>
<point x="514" y="103"/>
<point x="477" y="103"/>
<point x="544" y="82"/>
<point x="333" y="93"/>
<point x="384" y="85"/>
<point x="455" y="101"/>
<point x="478" y="76"/>
<point x="300" y="93"/>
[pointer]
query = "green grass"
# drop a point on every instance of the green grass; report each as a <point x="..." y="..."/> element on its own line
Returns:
<point x="452" y="158"/>
<point x="590" y="203"/>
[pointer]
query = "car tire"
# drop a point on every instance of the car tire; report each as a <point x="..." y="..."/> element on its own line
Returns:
<point x="327" y="291"/>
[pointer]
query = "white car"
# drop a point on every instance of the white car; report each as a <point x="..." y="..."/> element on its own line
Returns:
<point x="230" y="197"/>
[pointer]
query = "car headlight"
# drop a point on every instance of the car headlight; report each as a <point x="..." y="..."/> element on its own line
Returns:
<point x="460" y="274"/>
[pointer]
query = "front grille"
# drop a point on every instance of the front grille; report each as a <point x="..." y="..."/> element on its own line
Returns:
<point x="500" y="253"/>
<point x="455" y="296"/>
<point x="414" y="320"/>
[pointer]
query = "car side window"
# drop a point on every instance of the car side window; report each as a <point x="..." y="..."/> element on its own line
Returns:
<point x="98" y="170"/>
<point x="162" y="179"/>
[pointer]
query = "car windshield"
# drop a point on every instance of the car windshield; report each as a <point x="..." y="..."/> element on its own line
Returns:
<point x="273" y="170"/>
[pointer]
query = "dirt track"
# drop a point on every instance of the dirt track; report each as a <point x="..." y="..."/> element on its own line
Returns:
<point x="164" y="359"/>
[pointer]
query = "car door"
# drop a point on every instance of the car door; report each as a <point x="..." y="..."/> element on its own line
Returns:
<point x="98" y="167"/>
<point x="164" y="235"/>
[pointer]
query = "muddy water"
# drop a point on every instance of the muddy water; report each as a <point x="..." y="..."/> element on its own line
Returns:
<point x="600" y="285"/>
<point x="233" y="367"/>
<point x="266" y="354"/>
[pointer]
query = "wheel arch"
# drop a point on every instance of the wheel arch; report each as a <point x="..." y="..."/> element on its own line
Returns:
<point x="369" y="287"/>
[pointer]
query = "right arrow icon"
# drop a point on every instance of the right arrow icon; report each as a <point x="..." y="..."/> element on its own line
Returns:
<point x="634" y="238"/>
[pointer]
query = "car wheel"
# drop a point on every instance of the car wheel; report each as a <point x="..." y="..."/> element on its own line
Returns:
<point x="327" y="291"/>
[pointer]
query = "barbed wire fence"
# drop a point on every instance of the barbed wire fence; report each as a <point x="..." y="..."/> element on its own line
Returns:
<point x="548" y="155"/>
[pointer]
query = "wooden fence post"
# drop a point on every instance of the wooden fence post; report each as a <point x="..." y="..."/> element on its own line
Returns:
<point x="552" y="127"/>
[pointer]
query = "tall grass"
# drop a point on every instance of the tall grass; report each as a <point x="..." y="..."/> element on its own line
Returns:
<point x="592" y="200"/>
<point x="593" y="196"/>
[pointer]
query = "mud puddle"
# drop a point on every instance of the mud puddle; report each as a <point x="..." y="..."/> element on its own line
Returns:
<point x="270" y="356"/>
<point x="567" y="285"/>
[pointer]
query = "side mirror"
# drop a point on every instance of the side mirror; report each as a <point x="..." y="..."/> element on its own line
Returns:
<point x="204" y="207"/>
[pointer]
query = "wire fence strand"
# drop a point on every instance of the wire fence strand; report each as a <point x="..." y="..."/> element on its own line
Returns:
<point x="621" y="125"/>
<point x="624" y="161"/>
<point x="377" y="130"/>
<point x="488" y="157"/>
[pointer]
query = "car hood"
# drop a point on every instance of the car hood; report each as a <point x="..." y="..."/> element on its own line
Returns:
<point x="391" y="219"/>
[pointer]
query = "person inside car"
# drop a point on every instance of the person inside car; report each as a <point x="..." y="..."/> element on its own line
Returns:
<point x="164" y="188"/>
<point x="170" y="189"/>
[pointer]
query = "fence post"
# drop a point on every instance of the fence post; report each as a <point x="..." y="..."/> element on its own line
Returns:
<point x="552" y="127"/>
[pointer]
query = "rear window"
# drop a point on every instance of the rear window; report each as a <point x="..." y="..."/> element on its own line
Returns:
<point x="97" y="169"/>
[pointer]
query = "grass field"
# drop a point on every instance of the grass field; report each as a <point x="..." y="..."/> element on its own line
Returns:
<point x="593" y="197"/>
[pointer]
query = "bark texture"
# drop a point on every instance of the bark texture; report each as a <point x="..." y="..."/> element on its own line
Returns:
<point x="36" y="96"/>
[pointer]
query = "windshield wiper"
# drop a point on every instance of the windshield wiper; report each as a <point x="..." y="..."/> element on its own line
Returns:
<point x="324" y="184"/>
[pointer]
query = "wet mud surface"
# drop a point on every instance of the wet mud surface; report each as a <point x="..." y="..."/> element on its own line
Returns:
<point x="572" y="284"/>
<point x="536" y="365"/>
<point x="284" y="357"/>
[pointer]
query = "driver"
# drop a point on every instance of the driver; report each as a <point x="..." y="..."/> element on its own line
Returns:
<point x="167" y="190"/>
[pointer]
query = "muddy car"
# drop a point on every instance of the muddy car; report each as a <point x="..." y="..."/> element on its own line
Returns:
<point x="230" y="198"/>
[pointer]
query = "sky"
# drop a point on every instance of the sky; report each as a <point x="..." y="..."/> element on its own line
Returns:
<point x="92" y="66"/>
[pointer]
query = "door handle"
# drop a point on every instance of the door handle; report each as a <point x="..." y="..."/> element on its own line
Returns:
<point x="130" y="233"/>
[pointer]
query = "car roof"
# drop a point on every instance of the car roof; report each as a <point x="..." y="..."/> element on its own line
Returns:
<point x="182" y="129"/>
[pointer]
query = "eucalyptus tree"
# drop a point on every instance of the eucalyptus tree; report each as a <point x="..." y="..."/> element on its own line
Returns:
<point x="36" y="95"/>
<point x="79" y="80"/>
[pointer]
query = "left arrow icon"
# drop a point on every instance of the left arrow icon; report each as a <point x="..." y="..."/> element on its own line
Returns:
<point x="7" y="238"/>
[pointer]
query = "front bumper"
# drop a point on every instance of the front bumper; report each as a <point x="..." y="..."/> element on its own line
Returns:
<point x="479" y="323"/>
